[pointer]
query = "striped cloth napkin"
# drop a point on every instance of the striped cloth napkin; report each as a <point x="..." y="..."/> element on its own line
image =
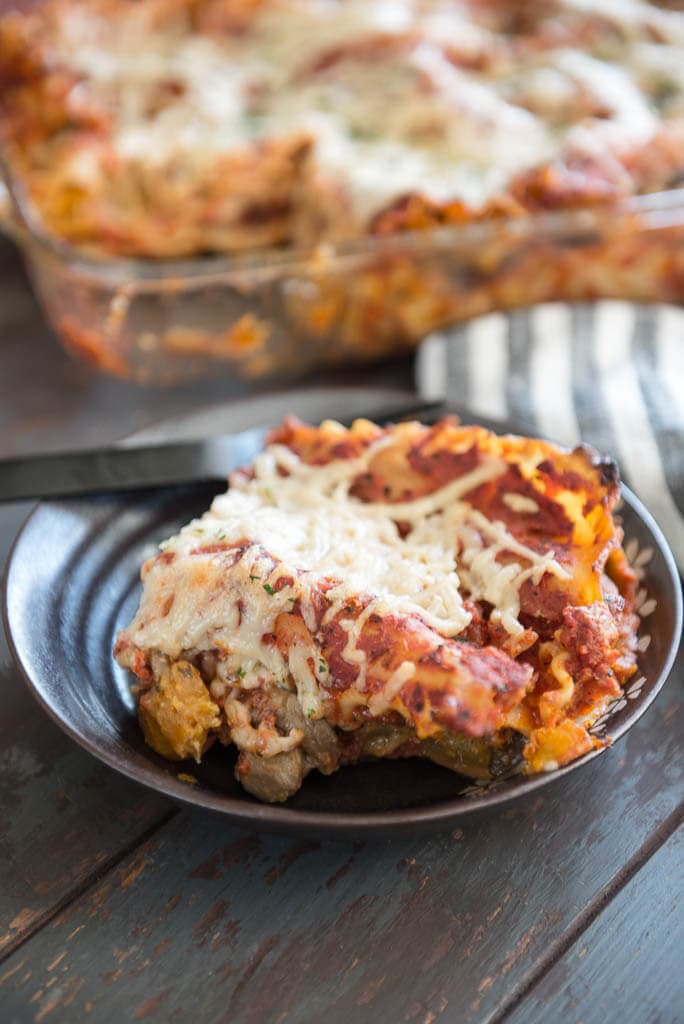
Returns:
<point x="609" y="373"/>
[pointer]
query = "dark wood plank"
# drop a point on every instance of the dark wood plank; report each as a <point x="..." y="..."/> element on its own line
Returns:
<point x="627" y="966"/>
<point x="65" y="817"/>
<point x="205" y="922"/>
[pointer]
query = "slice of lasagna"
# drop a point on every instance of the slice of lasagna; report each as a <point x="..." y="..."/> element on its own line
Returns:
<point x="431" y="591"/>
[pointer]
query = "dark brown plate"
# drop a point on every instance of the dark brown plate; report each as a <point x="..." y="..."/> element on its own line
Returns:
<point x="72" y="582"/>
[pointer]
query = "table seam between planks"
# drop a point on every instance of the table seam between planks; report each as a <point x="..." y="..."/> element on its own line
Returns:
<point x="586" y="917"/>
<point x="85" y="885"/>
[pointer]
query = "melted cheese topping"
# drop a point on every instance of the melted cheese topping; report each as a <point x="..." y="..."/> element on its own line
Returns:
<point x="383" y="123"/>
<point x="520" y="503"/>
<point x="304" y="527"/>
<point x="309" y="522"/>
<point x="381" y="702"/>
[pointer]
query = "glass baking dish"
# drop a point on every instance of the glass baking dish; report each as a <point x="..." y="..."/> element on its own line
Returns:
<point x="284" y="311"/>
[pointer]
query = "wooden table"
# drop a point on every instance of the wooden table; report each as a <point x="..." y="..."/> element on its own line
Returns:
<point x="118" y="906"/>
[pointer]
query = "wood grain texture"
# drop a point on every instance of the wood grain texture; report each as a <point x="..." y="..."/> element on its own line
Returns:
<point x="64" y="816"/>
<point x="627" y="965"/>
<point x="209" y="921"/>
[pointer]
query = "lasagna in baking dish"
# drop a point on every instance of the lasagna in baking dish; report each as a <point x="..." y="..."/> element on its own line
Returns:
<point x="407" y="591"/>
<point x="167" y="128"/>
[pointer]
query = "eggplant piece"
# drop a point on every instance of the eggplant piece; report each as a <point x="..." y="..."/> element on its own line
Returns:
<point x="320" y="743"/>
<point x="477" y="758"/>
<point x="274" y="779"/>
<point x="466" y="755"/>
<point x="271" y="779"/>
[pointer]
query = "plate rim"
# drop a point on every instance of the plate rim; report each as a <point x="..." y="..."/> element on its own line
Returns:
<point x="280" y="817"/>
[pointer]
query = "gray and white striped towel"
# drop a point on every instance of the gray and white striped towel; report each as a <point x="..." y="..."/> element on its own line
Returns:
<point x="609" y="373"/>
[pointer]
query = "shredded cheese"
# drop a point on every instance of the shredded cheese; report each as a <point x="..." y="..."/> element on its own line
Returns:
<point x="298" y="524"/>
<point x="520" y="503"/>
<point x="381" y="702"/>
<point x="382" y="126"/>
